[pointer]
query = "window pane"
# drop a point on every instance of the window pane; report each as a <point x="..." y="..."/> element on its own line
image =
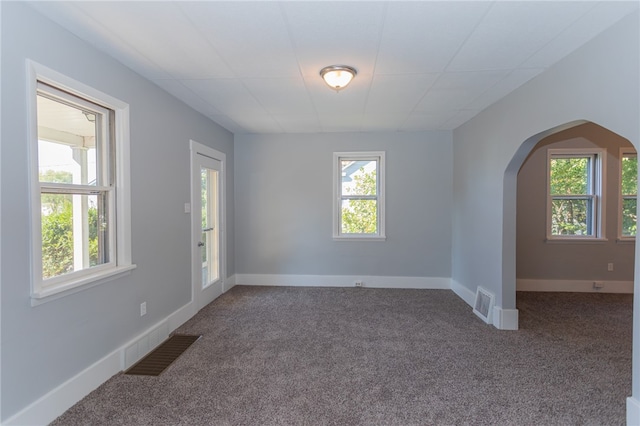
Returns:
<point x="571" y="217"/>
<point x="569" y="176"/>
<point x="74" y="233"/>
<point x="629" y="217"/>
<point x="66" y="143"/>
<point x="630" y="175"/>
<point x="359" y="216"/>
<point x="359" y="177"/>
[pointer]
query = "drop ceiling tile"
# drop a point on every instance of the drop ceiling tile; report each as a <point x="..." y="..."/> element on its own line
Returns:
<point x="421" y="37"/>
<point x="460" y="118"/>
<point x="505" y="86"/>
<point x="198" y="51"/>
<point x="227" y="123"/>
<point x="425" y="121"/>
<point x="383" y="121"/>
<point x="161" y="33"/>
<point x="298" y="123"/>
<point x="281" y="95"/>
<point x="188" y="96"/>
<point x="252" y="37"/>
<point x="476" y="82"/>
<point x="341" y="122"/>
<point x="596" y="20"/>
<point x="256" y="123"/>
<point x="329" y="33"/>
<point x="229" y="96"/>
<point x="70" y="15"/>
<point x="513" y="31"/>
<point x="397" y="93"/>
<point x="447" y="99"/>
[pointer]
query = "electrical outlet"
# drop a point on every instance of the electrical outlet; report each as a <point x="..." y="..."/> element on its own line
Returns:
<point x="187" y="207"/>
<point x="143" y="309"/>
<point x="359" y="284"/>
<point x="610" y="266"/>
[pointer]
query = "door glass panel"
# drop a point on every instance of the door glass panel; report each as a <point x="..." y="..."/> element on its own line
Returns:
<point x="210" y="235"/>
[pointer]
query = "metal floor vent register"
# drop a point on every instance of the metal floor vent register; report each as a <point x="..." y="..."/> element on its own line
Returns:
<point x="163" y="356"/>
<point x="483" y="305"/>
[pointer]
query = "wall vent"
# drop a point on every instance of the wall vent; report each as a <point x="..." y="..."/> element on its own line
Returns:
<point x="483" y="305"/>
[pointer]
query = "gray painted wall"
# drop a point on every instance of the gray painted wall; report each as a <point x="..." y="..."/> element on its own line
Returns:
<point x="284" y="205"/>
<point x="44" y="346"/>
<point x="537" y="259"/>
<point x="597" y="83"/>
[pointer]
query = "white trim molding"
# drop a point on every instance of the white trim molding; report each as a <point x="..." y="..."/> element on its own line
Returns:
<point x="57" y="401"/>
<point x="575" y="286"/>
<point x="431" y="283"/>
<point x="119" y="212"/>
<point x="633" y="411"/>
<point x="505" y="319"/>
<point x="229" y="283"/>
<point x="463" y="292"/>
<point x="373" y="156"/>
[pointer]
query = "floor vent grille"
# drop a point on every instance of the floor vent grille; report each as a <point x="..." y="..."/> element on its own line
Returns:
<point x="483" y="305"/>
<point x="163" y="356"/>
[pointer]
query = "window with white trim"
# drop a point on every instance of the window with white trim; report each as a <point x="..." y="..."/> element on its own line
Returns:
<point x="80" y="202"/>
<point x="358" y="195"/>
<point x="575" y="193"/>
<point x="628" y="193"/>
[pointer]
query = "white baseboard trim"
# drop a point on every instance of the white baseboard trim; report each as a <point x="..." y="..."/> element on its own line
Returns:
<point x="53" y="404"/>
<point x="575" y="286"/>
<point x="633" y="412"/>
<point x="47" y="408"/>
<point x="502" y="319"/>
<point x="148" y="340"/>
<point x="505" y="319"/>
<point x="229" y="283"/>
<point x="431" y="283"/>
<point x="463" y="292"/>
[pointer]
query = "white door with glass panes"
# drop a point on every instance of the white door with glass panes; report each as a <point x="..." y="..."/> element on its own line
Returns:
<point x="207" y="225"/>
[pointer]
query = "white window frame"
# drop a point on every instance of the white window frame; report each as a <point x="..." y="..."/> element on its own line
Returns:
<point x="597" y="184"/>
<point x="624" y="152"/>
<point x="338" y="157"/>
<point x="46" y="290"/>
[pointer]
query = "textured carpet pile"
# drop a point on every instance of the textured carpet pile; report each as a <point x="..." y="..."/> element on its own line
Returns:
<point x="336" y="356"/>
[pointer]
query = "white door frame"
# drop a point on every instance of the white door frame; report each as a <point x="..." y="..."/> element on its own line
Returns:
<point x="198" y="149"/>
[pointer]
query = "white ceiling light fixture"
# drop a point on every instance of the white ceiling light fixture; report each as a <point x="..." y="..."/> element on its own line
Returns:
<point x="338" y="76"/>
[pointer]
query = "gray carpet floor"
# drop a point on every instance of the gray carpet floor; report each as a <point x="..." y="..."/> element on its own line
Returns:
<point x="347" y="356"/>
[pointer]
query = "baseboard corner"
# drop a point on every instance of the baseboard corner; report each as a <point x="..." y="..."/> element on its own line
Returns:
<point x="505" y="319"/>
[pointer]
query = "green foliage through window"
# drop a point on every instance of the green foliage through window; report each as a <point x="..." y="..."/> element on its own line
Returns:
<point x="629" y="188"/>
<point x="360" y="216"/>
<point x="571" y="189"/>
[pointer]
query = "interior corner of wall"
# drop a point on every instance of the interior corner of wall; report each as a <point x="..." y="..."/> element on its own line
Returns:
<point x="463" y="292"/>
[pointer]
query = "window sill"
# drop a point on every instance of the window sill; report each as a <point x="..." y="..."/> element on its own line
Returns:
<point x="79" y="284"/>
<point x="626" y="241"/>
<point x="577" y="240"/>
<point x="359" y="238"/>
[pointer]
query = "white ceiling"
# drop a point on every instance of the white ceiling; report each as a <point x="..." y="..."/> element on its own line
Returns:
<point x="253" y="66"/>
